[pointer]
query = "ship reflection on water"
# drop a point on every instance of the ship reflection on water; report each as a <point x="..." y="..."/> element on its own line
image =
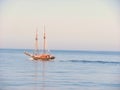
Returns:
<point x="39" y="77"/>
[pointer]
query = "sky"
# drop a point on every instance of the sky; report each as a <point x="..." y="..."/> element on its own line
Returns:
<point x="70" y="24"/>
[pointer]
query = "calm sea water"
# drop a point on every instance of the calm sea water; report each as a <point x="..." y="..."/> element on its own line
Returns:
<point x="71" y="70"/>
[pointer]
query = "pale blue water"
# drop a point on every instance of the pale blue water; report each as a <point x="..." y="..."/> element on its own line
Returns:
<point x="71" y="70"/>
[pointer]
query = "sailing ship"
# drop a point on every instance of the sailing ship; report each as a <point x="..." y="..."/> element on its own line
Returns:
<point x="44" y="55"/>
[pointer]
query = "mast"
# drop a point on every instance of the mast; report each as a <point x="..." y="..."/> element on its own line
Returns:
<point x="44" y="45"/>
<point x="36" y="42"/>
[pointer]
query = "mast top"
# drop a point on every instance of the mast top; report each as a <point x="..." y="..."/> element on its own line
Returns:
<point x="36" y="34"/>
<point x="44" y="32"/>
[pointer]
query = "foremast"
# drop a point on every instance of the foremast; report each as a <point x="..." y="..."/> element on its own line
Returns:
<point x="44" y="45"/>
<point x="36" y="43"/>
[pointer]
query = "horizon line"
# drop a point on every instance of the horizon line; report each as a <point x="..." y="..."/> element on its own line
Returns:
<point x="64" y="49"/>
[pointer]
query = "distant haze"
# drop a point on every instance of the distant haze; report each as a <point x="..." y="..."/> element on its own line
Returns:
<point x="70" y="24"/>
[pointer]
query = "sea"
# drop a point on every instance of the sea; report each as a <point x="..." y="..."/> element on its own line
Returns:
<point x="70" y="70"/>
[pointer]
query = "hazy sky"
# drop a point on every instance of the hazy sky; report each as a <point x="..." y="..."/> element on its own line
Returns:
<point x="70" y="24"/>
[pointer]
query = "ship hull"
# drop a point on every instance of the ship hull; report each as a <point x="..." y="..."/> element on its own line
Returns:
<point x="44" y="57"/>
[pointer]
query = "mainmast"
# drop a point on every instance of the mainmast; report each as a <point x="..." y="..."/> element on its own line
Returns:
<point x="36" y="42"/>
<point x="44" y="45"/>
